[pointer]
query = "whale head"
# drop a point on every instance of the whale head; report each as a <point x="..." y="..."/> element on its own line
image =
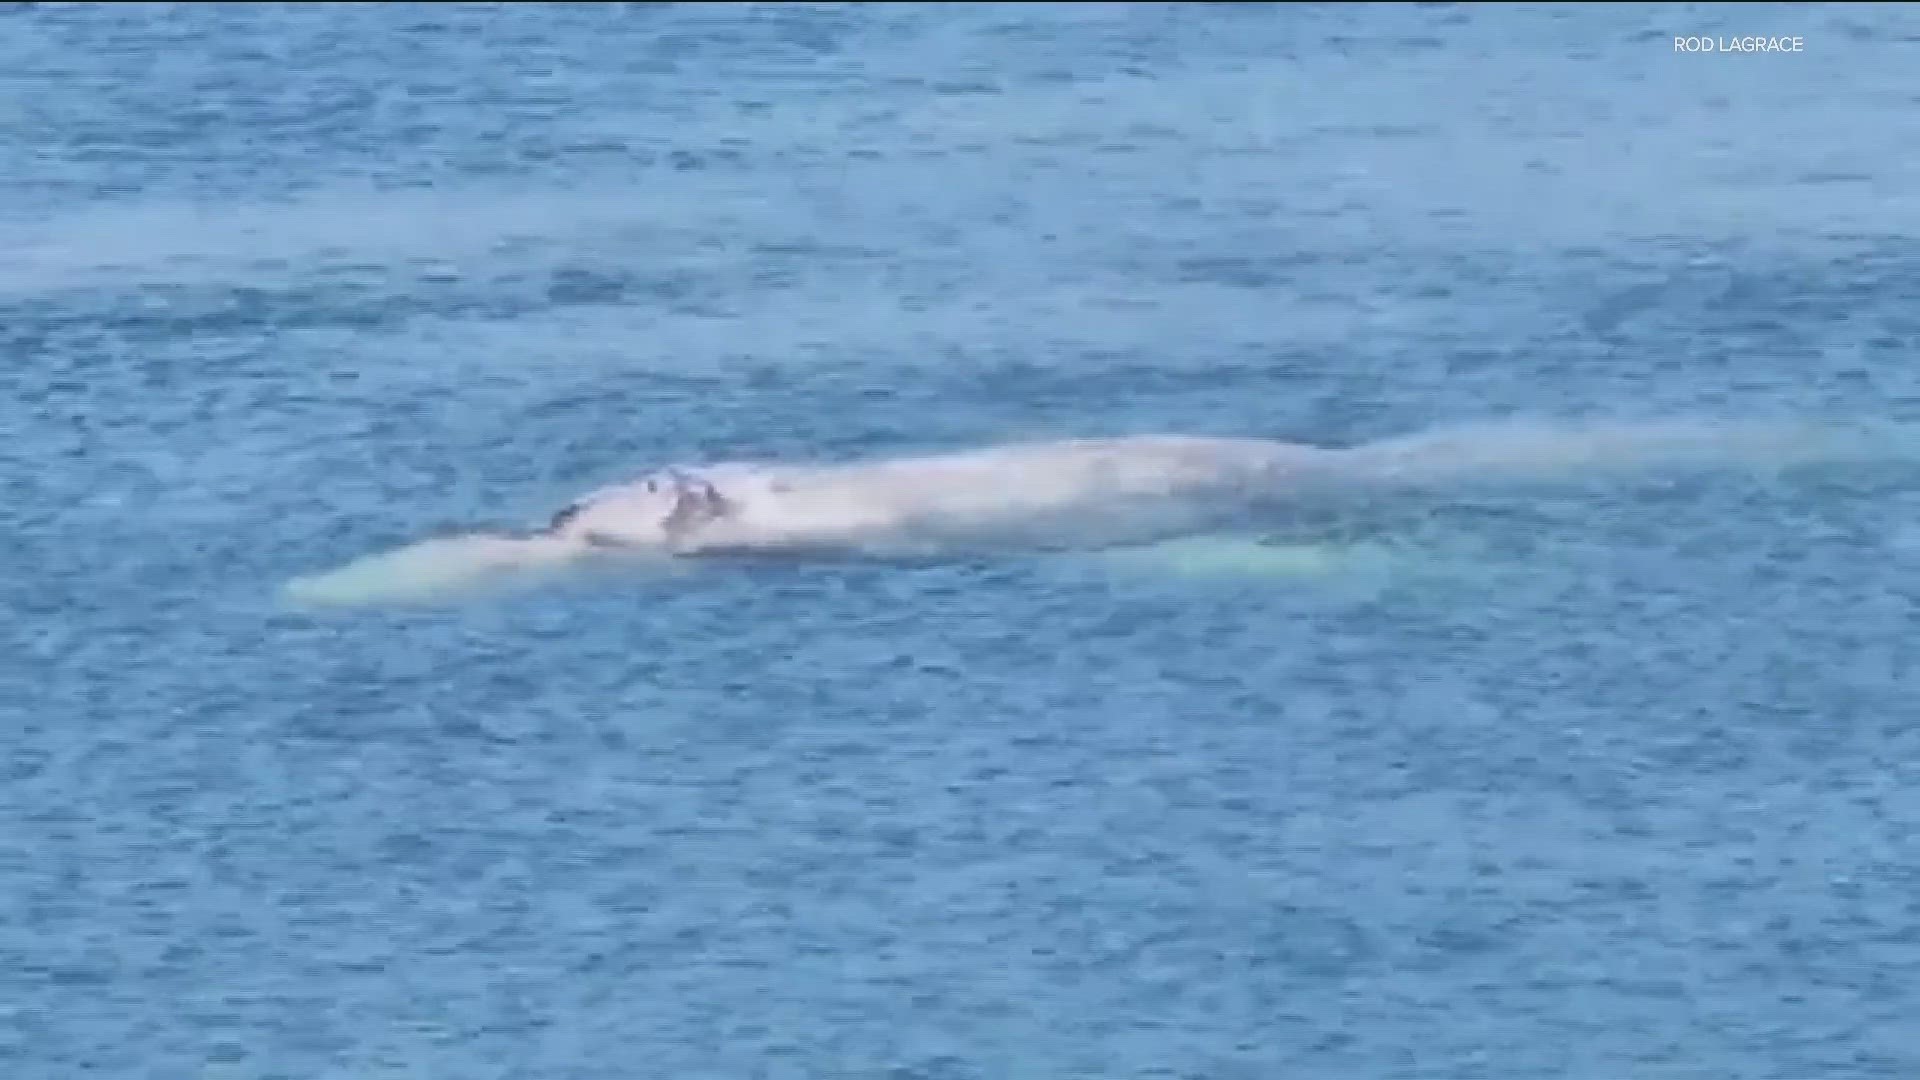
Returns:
<point x="658" y="512"/>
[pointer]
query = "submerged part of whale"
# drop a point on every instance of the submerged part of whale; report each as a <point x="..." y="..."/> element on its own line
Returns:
<point x="1076" y="495"/>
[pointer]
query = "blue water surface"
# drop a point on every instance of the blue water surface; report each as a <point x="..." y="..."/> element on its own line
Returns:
<point x="1628" y="791"/>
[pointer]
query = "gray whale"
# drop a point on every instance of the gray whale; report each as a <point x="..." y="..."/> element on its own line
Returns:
<point x="1070" y="493"/>
<point x="1084" y="494"/>
<point x="1104" y="492"/>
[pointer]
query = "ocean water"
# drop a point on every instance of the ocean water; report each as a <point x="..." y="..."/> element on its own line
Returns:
<point x="1625" y="788"/>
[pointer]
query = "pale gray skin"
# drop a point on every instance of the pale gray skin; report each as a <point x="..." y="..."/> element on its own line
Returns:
<point x="1157" y="502"/>
<point x="1114" y="492"/>
<point x="1081" y="492"/>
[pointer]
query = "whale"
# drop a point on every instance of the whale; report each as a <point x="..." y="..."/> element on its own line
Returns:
<point x="1076" y="493"/>
<point x="1083" y="494"/>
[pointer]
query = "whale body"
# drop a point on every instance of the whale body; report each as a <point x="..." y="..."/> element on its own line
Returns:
<point x="1063" y="495"/>
<point x="1070" y="493"/>
<point x="1118" y="491"/>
